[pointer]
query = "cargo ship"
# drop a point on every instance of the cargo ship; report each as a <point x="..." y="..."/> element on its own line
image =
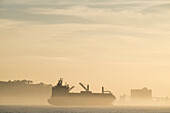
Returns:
<point x="61" y="96"/>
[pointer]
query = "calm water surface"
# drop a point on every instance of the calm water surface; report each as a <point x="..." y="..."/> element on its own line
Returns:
<point x="51" y="109"/>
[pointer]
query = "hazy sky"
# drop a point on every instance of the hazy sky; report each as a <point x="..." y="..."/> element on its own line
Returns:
<point x="121" y="44"/>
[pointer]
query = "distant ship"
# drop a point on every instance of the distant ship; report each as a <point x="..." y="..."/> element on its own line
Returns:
<point x="61" y="96"/>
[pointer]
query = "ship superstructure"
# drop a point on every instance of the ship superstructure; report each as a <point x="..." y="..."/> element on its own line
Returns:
<point x="61" y="96"/>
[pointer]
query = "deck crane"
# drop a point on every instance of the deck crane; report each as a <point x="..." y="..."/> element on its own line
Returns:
<point x="70" y="88"/>
<point x="86" y="88"/>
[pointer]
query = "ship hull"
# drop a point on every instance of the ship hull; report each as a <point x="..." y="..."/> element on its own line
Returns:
<point x="80" y="101"/>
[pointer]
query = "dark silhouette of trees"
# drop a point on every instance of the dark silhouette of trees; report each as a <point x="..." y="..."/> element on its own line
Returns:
<point x="24" y="88"/>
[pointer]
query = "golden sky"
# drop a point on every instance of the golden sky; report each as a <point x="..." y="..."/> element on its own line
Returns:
<point x="119" y="44"/>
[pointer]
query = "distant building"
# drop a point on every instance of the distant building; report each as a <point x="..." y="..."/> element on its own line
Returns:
<point x="141" y="95"/>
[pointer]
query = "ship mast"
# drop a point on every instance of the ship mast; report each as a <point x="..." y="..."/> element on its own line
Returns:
<point x="103" y="91"/>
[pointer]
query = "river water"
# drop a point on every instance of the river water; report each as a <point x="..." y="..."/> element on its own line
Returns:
<point x="52" y="109"/>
